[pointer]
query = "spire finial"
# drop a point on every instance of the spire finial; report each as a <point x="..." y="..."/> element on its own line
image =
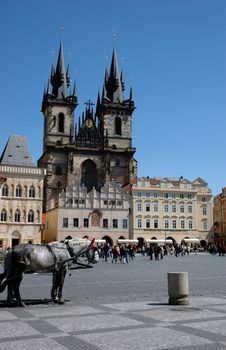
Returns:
<point x="114" y="37"/>
<point x="61" y="33"/>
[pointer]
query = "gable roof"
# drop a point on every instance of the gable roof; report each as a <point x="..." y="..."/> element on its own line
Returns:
<point x="16" y="152"/>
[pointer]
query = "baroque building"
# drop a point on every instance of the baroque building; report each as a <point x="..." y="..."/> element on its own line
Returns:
<point x="176" y="209"/>
<point x="21" y="195"/>
<point x="95" y="149"/>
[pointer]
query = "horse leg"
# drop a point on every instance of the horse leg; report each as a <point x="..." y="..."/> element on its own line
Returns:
<point x="10" y="294"/>
<point x="62" y="275"/>
<point x="54" y="288"/>
<point x="16" y="290"/>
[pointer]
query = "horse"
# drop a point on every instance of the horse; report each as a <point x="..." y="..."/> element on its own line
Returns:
<point x="55" y="257"/>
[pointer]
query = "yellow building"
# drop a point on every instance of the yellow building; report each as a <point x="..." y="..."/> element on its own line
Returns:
<point x="172" y="208"/>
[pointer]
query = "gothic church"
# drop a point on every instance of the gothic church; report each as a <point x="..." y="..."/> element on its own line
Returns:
<point x="95" y="149"/>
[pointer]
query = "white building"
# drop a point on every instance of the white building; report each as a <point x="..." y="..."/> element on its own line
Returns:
<point x="21" y="195"/>
<point x="171" y="208"/>
<point x="103" y="215"/>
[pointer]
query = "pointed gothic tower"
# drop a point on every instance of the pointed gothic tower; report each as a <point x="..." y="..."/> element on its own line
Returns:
<point x="58" y="107"/>
<point x="115" y="118"/>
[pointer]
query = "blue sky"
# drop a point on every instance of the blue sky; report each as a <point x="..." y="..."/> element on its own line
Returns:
<point x="174" y="53"/>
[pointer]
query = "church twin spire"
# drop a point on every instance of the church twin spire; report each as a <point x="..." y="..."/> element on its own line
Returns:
<point x="60" y="81"/>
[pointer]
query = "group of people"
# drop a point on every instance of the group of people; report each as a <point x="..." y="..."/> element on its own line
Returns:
<point x="119" y="253"/>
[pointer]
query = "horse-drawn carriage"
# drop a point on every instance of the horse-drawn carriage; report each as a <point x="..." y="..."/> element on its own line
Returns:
<point x="55" y="257"/>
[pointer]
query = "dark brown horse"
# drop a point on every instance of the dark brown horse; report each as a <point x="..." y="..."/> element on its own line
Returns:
<point x="55" y="257"/>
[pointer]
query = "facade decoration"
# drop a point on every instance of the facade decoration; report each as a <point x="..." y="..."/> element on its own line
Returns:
<point x="103" y="214"/>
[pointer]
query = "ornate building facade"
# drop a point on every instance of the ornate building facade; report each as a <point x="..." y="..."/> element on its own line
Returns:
<point x="95" y="149"/>
<point x="172" y="209"/>
<point x="21" y="195"/>
<point x="103" y="214"/>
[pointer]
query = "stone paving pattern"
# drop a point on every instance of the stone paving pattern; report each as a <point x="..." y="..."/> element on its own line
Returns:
<point x="118" y="323"/>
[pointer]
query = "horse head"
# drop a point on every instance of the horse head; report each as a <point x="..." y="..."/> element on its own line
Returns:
<point x="83" y="246"/>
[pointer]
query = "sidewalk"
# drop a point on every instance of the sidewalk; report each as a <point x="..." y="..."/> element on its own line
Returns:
<point x="128" y="325"/>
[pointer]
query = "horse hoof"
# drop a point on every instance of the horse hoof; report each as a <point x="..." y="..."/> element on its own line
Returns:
<point x="22" y="304"/>
<point x="56" y="301"/>
<point x="61" y="301"/>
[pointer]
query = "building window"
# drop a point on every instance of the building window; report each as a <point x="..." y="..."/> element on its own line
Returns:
<point x="181" y="196"/>
<point x="139" y="194"/>
<point x="18" y="191"/>
<point x="139" y="223"/>
<point x="147" y="206"/>
<point x="105" y="202"/>
<point x="119" y="203"/>
<point x="139" y="207"/>
<point x="190" y="224"/>
<point x="174" y="223"/>
<point x="118" y="126"/>
<point x="166" y="195"/>
<point x="189" y="196"/>
<point x="31" y="216"/>
<point x="174" y="195"/>
<point x="65" y="222"/>
<point x="105" y="223"/>
<point x="174" y="208"/>
<point x="148" y="194"/>
<point x="182" y="224"/>
<point x="182" y="208"/>
<point x="155" y="194"/>
<point x="58" y="170"/>
<point x="205" y="225"/>
<point x="61" y="122"/>
<point x="75" y="222"/>
<point x="5" y="191"/>
<point x="166" y="223"/>
<point x="3" y="215"/>
<point x="166" y="208"/>
<point x="1" y="243"/>
<point x="190" y="208"/>
<point x="204" y="211"/>
<point x="112" y="203"/>
<point x="124" y="223"/>
<point x="32" y="192"/>
<point x="17" y="216"/>
<point x="148" y="223"/>
<point x="115" y="223"/>
<point x="203" y="199"/>
<point x="156" y="207"/>
<point x="156" y="223"/>
<point x="86" y="222"/>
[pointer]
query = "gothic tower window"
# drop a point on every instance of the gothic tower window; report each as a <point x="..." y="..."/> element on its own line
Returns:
<point x="118" y="126"/>
<point x="5" y="191"/>
<point x="32" y="192"/>
<point x="89" y="175"/>
<point x="58" y="170"/>
<point x="31" y="216"/>
<point x="17" y="216"/>
<point x="18" y="191"/>
<point x="61" y="122"/>
<point x="3" y="215"/>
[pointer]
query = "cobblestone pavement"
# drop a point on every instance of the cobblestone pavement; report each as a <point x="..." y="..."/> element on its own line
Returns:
<point x="116" y="307"/>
